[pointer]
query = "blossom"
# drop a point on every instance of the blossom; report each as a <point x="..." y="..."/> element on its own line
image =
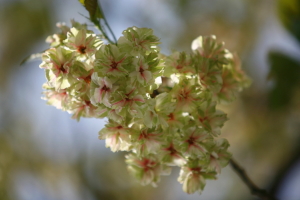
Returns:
<point x="187" y="94"/>
<point x="81" y="73"/>
<point x="147" y="169"/>
<point x="209" y="118"/>
<point x="128" y="101"/>
<point x="101" y="90"/>
<point x="219" y="156"/>
<point x="57" y="62"/>
<point x="111" y="61"/>
<point x="58" y="38"/>
<point x="157" y="111"/>
<point x="116" y="136"/>
<point x="171" y="154"/>
<point x="175" y="121"/>
<point x="114" y="115"/>
<point x="234" y="80"/>
<point x="151" y="117"/>
<point x="141" y="73"/>
<point x="209" y="48"/>
<point x="209" y="59"/>
<point x="193" y="175"/>
<point x="136" y="40"/>
<point x="82" y="108"/>
<point x="81" y="41"/>
<point x="161" y="109"/>
<point x="146" y="141"/>
<point x="179" y="63"/>
<point x="194" y="142"/>
<point x="59" y="99"/>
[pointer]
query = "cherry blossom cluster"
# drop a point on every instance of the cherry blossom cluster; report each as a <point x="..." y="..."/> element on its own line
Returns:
<point x="161" y="109"/>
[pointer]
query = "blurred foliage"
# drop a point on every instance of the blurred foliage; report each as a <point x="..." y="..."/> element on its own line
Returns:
<point x="289" y="13"/>
<point x="23" y="24"/>
<point x="285" y="72"/>
<point x="283" y="97"/>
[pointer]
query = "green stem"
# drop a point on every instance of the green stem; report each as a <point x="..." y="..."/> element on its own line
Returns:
<point x="106" y="23"/>
<point x="98" y="25"/>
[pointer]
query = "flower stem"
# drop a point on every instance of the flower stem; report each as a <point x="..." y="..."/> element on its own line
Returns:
<point x="98" y="25"/>
<point x="256" y="191"/>
<point x="106" y="23"/>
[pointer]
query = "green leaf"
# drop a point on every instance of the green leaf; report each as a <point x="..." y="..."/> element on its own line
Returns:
<point x="289" y="14"/>
<point x="82" y="2"/>
<point x="93" y="8"/>
<point x="285" y="71"/>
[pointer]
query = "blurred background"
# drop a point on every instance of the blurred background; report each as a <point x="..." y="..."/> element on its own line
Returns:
<point x="45" y="155"/>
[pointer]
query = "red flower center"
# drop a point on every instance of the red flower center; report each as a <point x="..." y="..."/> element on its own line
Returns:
<point x="81" y="49"/>
<point x="105" y="88"/>
<point x="203" y="119"/>
<point x="191" y="140"/>
<point x="114" y="65"/>
<point x="88" y="79"/>
<point x="88" y="103"/>
<point x="141" y="70"/>
<point x="148" y="164"/>
<point x="171" y="116"/>
<point x="62" y="68"/>
<point x="172" y="150"/>
<point x="195" y="169"/>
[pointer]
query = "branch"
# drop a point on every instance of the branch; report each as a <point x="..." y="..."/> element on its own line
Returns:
<point x="263" y="194"/>
<point x="291" y="160"/>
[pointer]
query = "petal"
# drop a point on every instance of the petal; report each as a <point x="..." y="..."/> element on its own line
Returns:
<point x="147" y="75"/>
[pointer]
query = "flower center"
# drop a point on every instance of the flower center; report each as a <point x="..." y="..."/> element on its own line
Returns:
<point x="171" y="116"/>
<point x="81" y="49"/>
<point x="141" y="70"/>
<point x="119" y="127"/>
<point x="88" y="103"/>
<point x="172" y="150"/>
<point x="88" y="79"/>
<point x="105" y="88"/>
<point x="62" y="68"/>
<point x="191" y="141"/>
<point x="114" y="65"/>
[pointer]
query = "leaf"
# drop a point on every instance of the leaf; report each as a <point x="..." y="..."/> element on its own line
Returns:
<point x="289" y="14"/>
<point x="93" y="8"/>
<point x="285" y="71"/>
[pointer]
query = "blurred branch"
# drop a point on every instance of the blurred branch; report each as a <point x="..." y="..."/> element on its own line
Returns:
<point x="286" y="167"/>
<point x="256" y="191"/>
